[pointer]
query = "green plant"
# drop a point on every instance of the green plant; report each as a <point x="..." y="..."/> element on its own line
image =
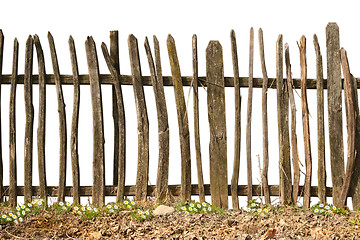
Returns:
<point x="356" y="221"/>
<point x="87" y="212"/>
<point x="257" y="208"/>
<point x="328" y="209"/>
<point x="142" y="215"/>
<point x="197" y="207"/>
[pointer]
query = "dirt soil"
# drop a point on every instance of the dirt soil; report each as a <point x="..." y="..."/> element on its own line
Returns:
<point x="289" y="223"/>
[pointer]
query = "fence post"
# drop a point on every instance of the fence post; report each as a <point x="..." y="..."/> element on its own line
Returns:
<point x="62" y="120"/>
<point x="305" y="118"/>
<point x="283" y="127"/>
<point x="334" y="89"/>
<point x="98" y="189"/>
<point x="29" y="111"/>
<point x="163" y="125"/>
<point x="237" y="137"/>
<point x="182" y="120"/>
<point x="1" y="160"/>
<point x="217" y="124"/>
<point x="74" y="124"/>
<point x="12" y="128"/>
<point x="41" y="121"/>
<point x="320" y="122"/>
<point x="143" y="122"/>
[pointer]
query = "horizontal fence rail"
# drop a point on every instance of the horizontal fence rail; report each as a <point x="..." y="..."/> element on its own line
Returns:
<point x="345" y="179"/>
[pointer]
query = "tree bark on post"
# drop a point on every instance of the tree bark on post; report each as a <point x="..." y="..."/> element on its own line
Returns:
<point x="29" y="112"/>
<point x="334" y="90"/>
<point x="305" y="118"/>
<point x="320" y="123"/>
<point x="294" y="146"/>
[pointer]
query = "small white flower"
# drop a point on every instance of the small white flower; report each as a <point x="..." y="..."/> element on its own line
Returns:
<point x="83" y="208"/>
<point x="76" y="208"/>
<point x="64" y="208"/>
<point x="259" y="210"/>
<point x="23" y="212"/>
<point x="96" y="210"/>
<point x="198" y="205"/>
<point x="321" y="205"/>
<point x="11" y="214"/>
<point x="204" y="204"/>
<point x="22" y="206"/>
<point x="61" y="203"/>
<point x="112" y="210"/>
<point x="126" y="202"/>
<point x="253" y="204"/>
<point x="190" y="209"/>
<point x="18" y="208"/>
<point x="68" y="204"/>
<point x="192" y="205"/>
<point x="140" y="212"/>
<point x="21" y="219"/>
<point x="116" y="207"/>
<point x="327" y="207"/>
<point x="4" y="216"/>
<point x="39" y="203"/>
<point x="29" y="205"/>
<point x="89" y="208"/>
<point x="147" y="212"/>
<point x="248" y="209"/>
<point x="128" y="206"/>
<point x="262" y="214"/>
<point x="14" y="216"/>
<point x="109" y="206"/>
<point x="183" y="208"/>
<point x="16" y="222"/>
<point x="8" y="219"/>
<point x="18" y="213"/>
<point x="266" y="210"/>
<point x="334" y="208"/>
<point x="27" y="209"/>
<point x="133" y="203"/>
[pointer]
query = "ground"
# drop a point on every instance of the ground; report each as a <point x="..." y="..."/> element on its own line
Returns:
<point x="290" y="223"/>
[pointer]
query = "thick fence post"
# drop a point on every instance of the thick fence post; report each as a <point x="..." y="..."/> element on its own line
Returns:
<point x="334" y="89"/>
<point x="29" y="111"/>
<point x="41" y="121"/>
<point x="1" y="160"/>
<point x="98" y="188"/>
<point x="75" y="124"/>
<point x="217" y="124"/>
<point x="283" y="127"/>
<point x="12" y="128"/>
<point x="143" y="122"/>
<point x="182" y="120"/>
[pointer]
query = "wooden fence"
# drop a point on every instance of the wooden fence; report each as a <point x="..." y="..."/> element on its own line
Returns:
<point x="344" y="183"/>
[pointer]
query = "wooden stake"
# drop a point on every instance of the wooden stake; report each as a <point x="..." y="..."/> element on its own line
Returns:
<point x="74" y="124"/>
<point x="264" y="173"/>
<point x="12" y="128"/>
<point x="29" y="112"/>
<point x="42" y="119"/>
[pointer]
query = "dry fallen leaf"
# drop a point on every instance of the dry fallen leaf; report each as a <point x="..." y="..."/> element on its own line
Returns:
<point x="95" y="235"/>
<point x="269" y="234"/>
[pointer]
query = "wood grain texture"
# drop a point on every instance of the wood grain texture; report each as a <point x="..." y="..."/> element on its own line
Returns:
<point x="351" y="115"/>
<point x="320" y="122"/>
<point x="294" y="146"/>
<point x="98" y="189"/>
<point x="163" y="124"/>
<point x="12" y="128"/>
<point x="217" y="124"/>
<point x="119" y="116"/>
<point x="305" y="119"/>
<point x="196" y="120"/>
<point x="1" y="160"/>
<point x="283" y="127"/>
<point x="106" y="79"/>
<point x="120" y="109"/>
<point x="29" y="124"/>
<point x="74" y="139"/>
<point x="142" y="120"/>
<point x="249" y="115"/>
<point x="175" y="190"/>
<point x="354" y="191"/>
<point x="62" y="120"/>
<point x="265" y="170"/>
<point x="334" y="86"/>
<point x="237" y="137"/>
<point x="182" y="120"/>
<point x="41" y="118"/>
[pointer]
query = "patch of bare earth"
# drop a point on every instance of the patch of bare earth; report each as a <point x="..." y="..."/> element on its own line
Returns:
<point x="289" y="223"/>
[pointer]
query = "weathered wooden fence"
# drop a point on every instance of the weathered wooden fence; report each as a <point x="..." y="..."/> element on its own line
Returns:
<point x="345" y="183"/>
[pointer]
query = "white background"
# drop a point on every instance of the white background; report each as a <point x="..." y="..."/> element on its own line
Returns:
<point x="210" y="20"/>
